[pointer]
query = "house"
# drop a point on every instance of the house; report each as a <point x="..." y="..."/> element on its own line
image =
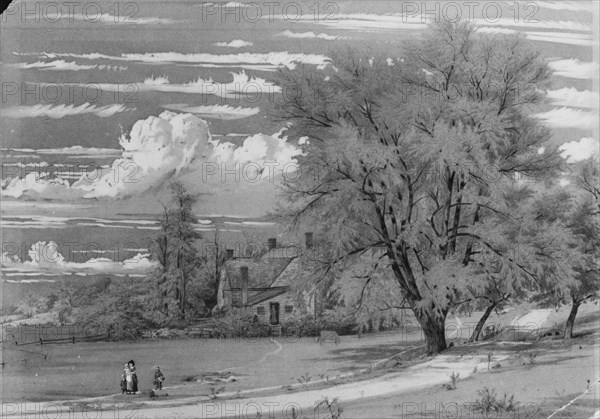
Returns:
<point x="263" y="286"/>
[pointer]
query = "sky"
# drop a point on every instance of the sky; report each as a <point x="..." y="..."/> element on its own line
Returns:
<point x="104" y="103"/>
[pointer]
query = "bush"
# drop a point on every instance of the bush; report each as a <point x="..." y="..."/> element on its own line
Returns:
<point x="488" y="403"/>
<point x="339" y="322"/>
<point x="305" y="325"/>
<point x="239" y="323"/>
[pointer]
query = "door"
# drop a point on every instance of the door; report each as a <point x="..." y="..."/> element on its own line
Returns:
<point x="274" y="308"/>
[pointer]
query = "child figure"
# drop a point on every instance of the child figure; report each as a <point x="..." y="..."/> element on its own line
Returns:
<point x="131" y="378"/>
<point x="124" y="379"/>
<point x="158" y="378"/>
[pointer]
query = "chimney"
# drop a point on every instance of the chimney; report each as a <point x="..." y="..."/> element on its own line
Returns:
<point x="244" y="279"/>
<point x="272" y="243"/>
<point x="308" y="239"/>
<point x="229" y="253"/>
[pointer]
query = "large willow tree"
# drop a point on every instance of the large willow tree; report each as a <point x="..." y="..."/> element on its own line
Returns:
<point x="412" y="161"/>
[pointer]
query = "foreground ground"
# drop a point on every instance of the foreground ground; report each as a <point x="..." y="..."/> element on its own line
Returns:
<point x="276" y="375"/>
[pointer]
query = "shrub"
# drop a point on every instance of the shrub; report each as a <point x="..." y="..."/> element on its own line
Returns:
<point x="239" y="323"/>
<point x="488" y="403"/>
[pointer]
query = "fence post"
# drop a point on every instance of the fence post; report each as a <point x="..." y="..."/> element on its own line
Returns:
<point x="73" y="339"/>
<point x="41" y="341"/>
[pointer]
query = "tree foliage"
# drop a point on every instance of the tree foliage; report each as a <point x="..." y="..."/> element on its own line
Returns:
<point x="417" y="160"/>
<point x="184" y="286"/>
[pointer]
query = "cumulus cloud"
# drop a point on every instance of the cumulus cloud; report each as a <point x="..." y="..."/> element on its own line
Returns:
<point x="236" y="43"/>
<point x="156" y="148"/>
<point x="310" y="35"/>
<point x="569" y="118"/>
<point x="575" y="151"/>
<point x="45" y="259"/>
<point x="163" y="148"/>
<point x="575" y="69"/>
<point x="60" y="111"/>
<point x="225" y="112"/>
<point x="570" y="96"/>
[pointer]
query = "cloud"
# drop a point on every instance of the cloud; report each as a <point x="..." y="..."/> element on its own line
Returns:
<point x="279" y="59"/>
<point x="536" y="24"/>
<point x="109" y="19"/>
<point x="75" y="150"/>
<point x="60" y="111"/>
<point x="554" y="37"/>
<point x="569" y="118"/>
<point x="156" y="148"/>
<point x="171" y="146"/>
<point x="242" y="85"/>
<point x="61" y="65"/>
<point x="45" y="259"/>
<point x="420" y="21"/>
<point x="573" y="97"/>
<point x="580" y="39"/>
<point x="236" y="43"/>
<point x="575" y="69"/>
<point x="225" y="112"/>
<point x="575" y="151"/>
<point x="37" y="184"/>
<point x="367" y="21"/>
<point x="572" y="5"/>
<point x="310" y="35"/>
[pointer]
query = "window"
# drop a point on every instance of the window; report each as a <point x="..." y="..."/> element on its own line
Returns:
<point x="289" y="309"/>
<point x="260" y="310"/>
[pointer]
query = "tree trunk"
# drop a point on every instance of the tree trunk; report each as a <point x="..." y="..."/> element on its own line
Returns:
<point x="481" y="322"/>
<point x="434" y="330"/>
<point x="571" y="320"/>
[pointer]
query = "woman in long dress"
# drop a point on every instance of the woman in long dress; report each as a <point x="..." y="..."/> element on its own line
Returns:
<point x="132" y="380"/>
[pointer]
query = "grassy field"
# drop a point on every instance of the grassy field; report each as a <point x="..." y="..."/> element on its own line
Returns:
<point x="82" y="370"/>
<point x="71" y="371"/>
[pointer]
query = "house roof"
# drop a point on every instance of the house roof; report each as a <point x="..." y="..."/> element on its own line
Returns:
<point x="267" y="295"/>
<point x="285" y="252"/>
<point x="261" y="273"/>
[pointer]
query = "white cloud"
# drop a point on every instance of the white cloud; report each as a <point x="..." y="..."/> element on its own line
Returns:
<point x="562" y="38"/>
<point x="170" y="146"/>
<point x="45" y="259"/>
<point x="242" y="85"/>
<point x="75" y="150"/>
<point x="236" y="43"/>
<point x="367" y="21"/>
<point x="575" y="69"/>
<point x="62" y="65"/>
<point x="310" y="35"/>
<point x="569" y="118"/>
<point x="573" y="97"/>
<point x="575" y="151"/>
<point x="536" y="24"/>
<point x="107" y="18"/>
<point x="60" y="111"/>
<point x="214" y="111"/>
<point x="571" y="5"/>
<point x="279" y="59"/>
<point x="581" y="39"/>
